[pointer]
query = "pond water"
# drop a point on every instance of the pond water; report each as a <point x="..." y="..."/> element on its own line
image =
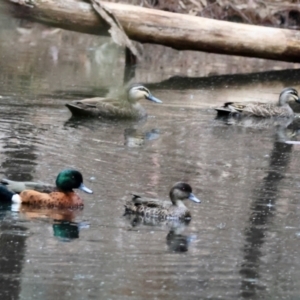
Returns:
<point x="243" y="240"/>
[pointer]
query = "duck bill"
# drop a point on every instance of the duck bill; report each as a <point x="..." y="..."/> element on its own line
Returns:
<point x="153" y="99"/>
<point x="85" y="189"/>
<point x="298" y="100"/>
<point x="194" y="198"/>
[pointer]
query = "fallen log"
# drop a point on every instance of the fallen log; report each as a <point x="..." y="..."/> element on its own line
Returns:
<point x="179" y="31"/>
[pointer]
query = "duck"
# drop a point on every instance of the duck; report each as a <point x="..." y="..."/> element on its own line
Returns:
<point x="264" y="110"/>
<point x="126" y="106"/>
<point x="62" y="196"/>
<point x="19" y="186"/>
<point x="164" y="209"/>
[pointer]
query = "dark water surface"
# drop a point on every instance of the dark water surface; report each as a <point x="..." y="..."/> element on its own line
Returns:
<point x="243" y="240"/>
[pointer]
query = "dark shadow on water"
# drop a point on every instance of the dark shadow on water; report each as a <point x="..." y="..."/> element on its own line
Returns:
<point x="18" y="163"/>
<point x="263" y="210"/>
<point x="12" y="253"/>
<point x="19" y="149"/>
<point x="286" y="77"/>
<point x="175" y="239"/>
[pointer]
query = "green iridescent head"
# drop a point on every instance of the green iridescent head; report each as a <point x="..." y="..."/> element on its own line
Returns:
<point x="69" y="179"/>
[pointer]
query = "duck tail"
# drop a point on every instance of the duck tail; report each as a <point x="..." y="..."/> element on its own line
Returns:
<point x="8" y="196"/>
<point x="76" y="110"/>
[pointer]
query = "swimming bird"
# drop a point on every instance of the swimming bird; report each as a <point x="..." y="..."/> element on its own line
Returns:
<point x="164" y="209"/>
<point x="19" y="186"/>
<point x="63" y="197"/>
<point x="265" y="110"/>
<point x="126" y="106"/>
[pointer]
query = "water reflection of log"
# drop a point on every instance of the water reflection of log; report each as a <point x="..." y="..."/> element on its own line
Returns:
<point x="262" y="210"/>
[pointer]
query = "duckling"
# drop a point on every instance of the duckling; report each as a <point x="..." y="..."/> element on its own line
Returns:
<point x="164" y="209"/>
<point x="265" y="110"/>
<point x="64" y="197"/>
<point x="125" y="107"/>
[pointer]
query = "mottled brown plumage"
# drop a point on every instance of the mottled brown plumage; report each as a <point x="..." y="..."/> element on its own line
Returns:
<point x="264" y="110"/>
<point x="54" y="199"/>
<point x="163" y="209"/>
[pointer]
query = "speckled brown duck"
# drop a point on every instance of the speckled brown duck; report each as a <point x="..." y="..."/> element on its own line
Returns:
<point x="125" y="106"/>
<point x="164" y="209"/>
<point x="264" y="110"/>
<point x="63" y="197"/>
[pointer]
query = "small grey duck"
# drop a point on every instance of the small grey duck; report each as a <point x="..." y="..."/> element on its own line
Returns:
<point x="125" y="106"/>
<point x="164" y="209"/>
<point x="265" y="110"/>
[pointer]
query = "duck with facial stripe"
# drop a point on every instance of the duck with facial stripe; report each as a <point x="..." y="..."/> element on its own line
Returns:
<point x="264" y="110"/>
<point x="124" y="107"/>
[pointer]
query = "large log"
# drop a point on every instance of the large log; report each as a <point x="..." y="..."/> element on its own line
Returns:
<point x="182" y="32"/>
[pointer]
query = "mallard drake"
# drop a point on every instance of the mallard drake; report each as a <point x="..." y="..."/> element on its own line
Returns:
<point x="265" y="110"/>
<point x="164" y="209"/>
<point x="125" y="107"/>
<point x="63" y="197"/>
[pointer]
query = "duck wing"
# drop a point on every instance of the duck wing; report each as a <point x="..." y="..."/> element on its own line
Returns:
<point x="149" y="202"/>
<point x="268" y="110"/>
<point x="102" y="107"/>
<point x="258" y="109"/>
<point x="234" y="107"/>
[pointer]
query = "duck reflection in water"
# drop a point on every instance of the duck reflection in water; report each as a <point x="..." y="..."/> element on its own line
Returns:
<point x="286" y="129"/>
<point x="175" y="239"/>
<point x="136" y="137"/>
<point x="62" y="220"/>
<point x="178" y="242"/>
<point x="66" y="230"/>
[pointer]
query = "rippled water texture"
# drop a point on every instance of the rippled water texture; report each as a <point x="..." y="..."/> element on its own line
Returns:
<point x="243" y="240"/>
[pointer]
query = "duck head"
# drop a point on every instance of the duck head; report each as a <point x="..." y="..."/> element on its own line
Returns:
<point x="288" y="94"/>
<point x="181" y="191"/>
<point x="139" y="92"/>
<point x="69" y="179"/>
